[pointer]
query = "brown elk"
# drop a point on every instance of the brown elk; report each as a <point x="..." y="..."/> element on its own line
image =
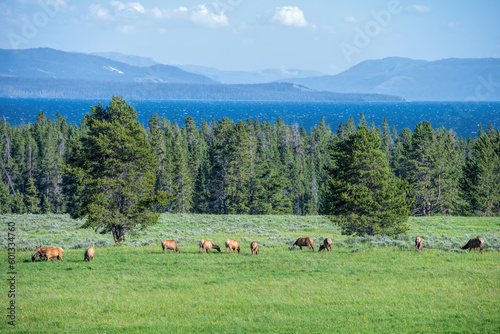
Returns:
<point x="474" y="243"/>
<point x="232" y="245"/>
<point x="171" y="245"/>
<point x="418" y="244"/>
<point x="38" y="253"/>
<point x="254" y="247"/>
<point x="207" y="245"/>
<point x="304" y="242"/>
<point x="48" y="253"/>
<point x="89" y="254"/>
<point x="327" y="244"/>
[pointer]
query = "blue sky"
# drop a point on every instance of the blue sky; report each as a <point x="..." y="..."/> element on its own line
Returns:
<point x="327" y="36"/>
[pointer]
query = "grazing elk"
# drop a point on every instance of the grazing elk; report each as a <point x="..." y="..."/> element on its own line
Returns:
<point x="89" y="254"/>
<point x="254" y="247"/>
<point x="474" y="243"/>
<point x="39" y="251"/>
<point x="304" y="242"/>
<point x="232" y="245"/>
<point x="171" y="245"/>
<point x="207" y="245"/>
<point x="48" y="253"/>
<point x="418" y="244"/>
<point x="327" y="244"/>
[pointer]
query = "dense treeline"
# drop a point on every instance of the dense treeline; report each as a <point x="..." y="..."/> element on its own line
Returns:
<point x="256" y="167"/>
<point x="94" y="89"/>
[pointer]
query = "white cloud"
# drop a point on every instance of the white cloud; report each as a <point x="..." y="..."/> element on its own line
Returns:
<point x="168" y="13"/>
<point x="289" y="16"/>
<point x="351" y="19"/>
<point x="130" y="7"/>
<point x="418" y="9"/>
<point x="203" y="16"/>
<point x="98" y="12"/>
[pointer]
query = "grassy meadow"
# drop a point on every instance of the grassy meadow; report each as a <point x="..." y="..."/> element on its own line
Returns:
<point x="366" y="285"/>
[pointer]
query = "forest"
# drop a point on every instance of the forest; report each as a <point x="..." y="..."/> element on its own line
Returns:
<point x="89" y="89"/>
<point x="256" y="167"/>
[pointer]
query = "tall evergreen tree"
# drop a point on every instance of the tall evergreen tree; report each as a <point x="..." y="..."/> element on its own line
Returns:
<point x="31" y="200"/>
<point x="365" y="197"/>
<point x="157" y="140"/>
<point x="448" y="168"/>
<point x="200" y="194"/>
<point x="45" y="205"/>
<point x="117" y="168"/>
<point x="18" y="205"/>
<point x="386" y="139"/>
<point x="5" y="198"/>
<point x="217" y="152"/>
<point x="480" y="184"/>
<point x="420" y="169"/>
<point x="238" y="170"/>
<point x="182" y="182"/>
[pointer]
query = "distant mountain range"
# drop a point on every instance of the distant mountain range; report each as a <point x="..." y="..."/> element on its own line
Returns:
<point x="49" y="73"/>
<point x="55" y="64"/>
<point x="222" y="76"/>
<point x="250" y="77"/>
<point x="127" y="59"/>
<point x="45" y="72"/>
<point x="416" y="80"/>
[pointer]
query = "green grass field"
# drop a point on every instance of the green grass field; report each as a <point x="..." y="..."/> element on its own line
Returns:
<point x="366" y="285"/>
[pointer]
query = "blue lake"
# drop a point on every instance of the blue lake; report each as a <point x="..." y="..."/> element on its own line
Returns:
<point x="462" y="117"/>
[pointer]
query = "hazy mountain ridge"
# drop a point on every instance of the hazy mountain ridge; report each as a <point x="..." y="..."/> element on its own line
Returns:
<point x="452" y="79"/>
<point x="50" y="63"/>
<point x="222" y="76"/>
<point x="250" y="77"/>
<point x="127" y="59"/>
<point x="418" y="80"/>
<point x="49" y="73"/>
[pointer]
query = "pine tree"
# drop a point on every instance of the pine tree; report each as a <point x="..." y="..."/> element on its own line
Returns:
<point x="5" y="198"/>
<point x="157" y="140"/>
<point x="31" y="200"/>
<point x="341" y="132"/>
<point x="350" y="127"/>
<point x="448" y="166"/>
<point x="480" y="184"/>
<point x="17" y="205"/>
<point x="365" y="197"/>
<point x="270" y="195"/>
<point x="238" y="171"/>
<point x="362" y="120"/>
<point x="182" y="182"/>
<point x="72" y="188"/>
<point x="45" y="205"/>
<point x="117" y="169"/>
<point x="200" y="193"/>
<point x="386" y="140"/>
<point x="217" y="155"/>
<point x="398" y="159"/>
<point x="420" y="159"/>
<point x="312" y="201"/>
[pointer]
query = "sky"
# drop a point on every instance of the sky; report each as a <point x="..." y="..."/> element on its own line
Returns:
<point x="327" y="36"/>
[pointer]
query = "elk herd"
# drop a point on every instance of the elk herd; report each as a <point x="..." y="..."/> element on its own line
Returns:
<point x="231" y="246"/>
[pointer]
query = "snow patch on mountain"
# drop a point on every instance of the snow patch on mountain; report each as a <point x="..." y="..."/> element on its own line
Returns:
<point x="112" y="69"/>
